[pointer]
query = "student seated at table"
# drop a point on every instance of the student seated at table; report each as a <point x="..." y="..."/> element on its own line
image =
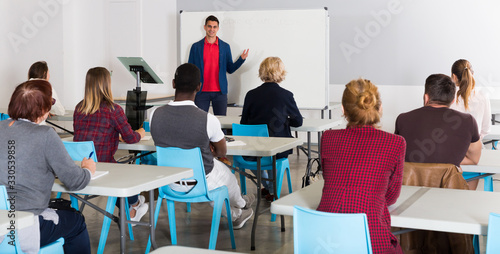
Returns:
<point x="97" y="118"/>
<point x="272" y="105"/>
<point x="435" y="133"/>
<point x="40" y="70"/>
<point x="36" y="155"/>
<point x="182" y="124"/>
<point x="363" y="166"/>
<point x="468" y="99"/>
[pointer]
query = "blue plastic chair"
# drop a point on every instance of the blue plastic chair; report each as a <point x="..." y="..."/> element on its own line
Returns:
<point x="55" y="247"/>
<point x="4" y="116"/>
<point x="488" y="181"/>
<point x="191" y="158"/>
<point x="151" y="159"/>
<point x="78" y="151"/>
<point x="282" y="165"/>
<point x="493" y="240"/>
<point x="321" y="232"/>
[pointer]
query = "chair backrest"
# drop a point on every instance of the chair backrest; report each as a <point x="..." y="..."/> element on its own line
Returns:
<point x="184" y="158"/>
<point x="321" y="232"/>
<point x="81" y="149"/>
<point x="145" y="125"/>
<point x="3" y="198"/>
<point x="493" y="241"/>
<point x="3" y="116"/>
<point x="436" y="175"/>
<point x="254" y="130"/>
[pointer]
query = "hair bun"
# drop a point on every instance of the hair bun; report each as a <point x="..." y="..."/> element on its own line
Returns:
<point x="366" y="100"/>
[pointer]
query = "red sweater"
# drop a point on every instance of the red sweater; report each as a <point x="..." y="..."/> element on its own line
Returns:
<point x="363" y="171"/>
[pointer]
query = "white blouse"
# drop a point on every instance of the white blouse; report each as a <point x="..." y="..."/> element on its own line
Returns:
<point x="479" y="108"/>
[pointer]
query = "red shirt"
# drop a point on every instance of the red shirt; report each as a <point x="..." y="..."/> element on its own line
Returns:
<point x="211" y="67"/>
<point x="103" y="128"/>
<point x="363" y="172"/>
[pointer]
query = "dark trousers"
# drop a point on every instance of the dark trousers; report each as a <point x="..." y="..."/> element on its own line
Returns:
<point x="219" y="102"/>
<point x="131" y="201"/>
<point x="71" y="227"/>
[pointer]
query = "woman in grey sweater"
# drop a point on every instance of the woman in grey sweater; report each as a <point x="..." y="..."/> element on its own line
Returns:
<point x="32" y="155"/>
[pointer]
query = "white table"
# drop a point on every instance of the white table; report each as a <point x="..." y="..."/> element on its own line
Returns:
<point x="187" y="250"/>
<point x="23" y="220"/>
<point x="417" y="208"/>
<point x="124" y="180"/>
<point x="254" y="146"/>
<point x="308" y="125"/>
<point x="489" y="162"/>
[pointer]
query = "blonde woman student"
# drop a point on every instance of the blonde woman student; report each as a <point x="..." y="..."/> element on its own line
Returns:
<point x="97" y="118"/>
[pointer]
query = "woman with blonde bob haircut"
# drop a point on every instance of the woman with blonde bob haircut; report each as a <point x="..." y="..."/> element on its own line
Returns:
<point x="363" y="166"/>
<point x="272" y="105"/>
<point x="97" y="118"/>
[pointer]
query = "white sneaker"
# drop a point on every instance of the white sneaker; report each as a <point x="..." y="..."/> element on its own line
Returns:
<point x="140" y="211"/>
<point x="141" y="199"/>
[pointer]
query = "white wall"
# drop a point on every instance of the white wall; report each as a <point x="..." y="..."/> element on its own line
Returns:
<point x="430" y="34"/>
<point x="73" y="36"/>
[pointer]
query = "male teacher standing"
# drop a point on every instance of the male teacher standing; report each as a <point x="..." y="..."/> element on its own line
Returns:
<point x="213" y="57"/>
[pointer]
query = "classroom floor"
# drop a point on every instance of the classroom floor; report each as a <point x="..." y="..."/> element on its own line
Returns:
<point x="193" y="229"/>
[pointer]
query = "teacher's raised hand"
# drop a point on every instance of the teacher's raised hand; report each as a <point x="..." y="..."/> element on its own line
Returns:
<point x="244" y="54"/>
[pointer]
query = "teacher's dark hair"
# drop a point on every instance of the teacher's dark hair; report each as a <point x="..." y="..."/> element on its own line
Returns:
<point x="31" y="100"/>
<point x="38" y="70"/>
<point x="440" y="89"/>
<point x="211" y="18"/>
<point x="187" y="78"/>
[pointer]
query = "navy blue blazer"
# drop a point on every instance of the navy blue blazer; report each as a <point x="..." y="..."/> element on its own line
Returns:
<point x="272" y="105"/>
<point x="225" y="61"/>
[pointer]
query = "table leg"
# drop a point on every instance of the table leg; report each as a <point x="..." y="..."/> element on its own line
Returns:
<point x="122" y="225"/>
<point x="152" y="220"/>
<point x="256" y="216"/>
<point x="305" y="180"/>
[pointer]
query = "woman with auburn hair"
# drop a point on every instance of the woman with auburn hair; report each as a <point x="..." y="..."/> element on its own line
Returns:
<point x="97" y="118"/>
<point x="468" y="99"/>
<point x="33" y="155"/>
<point x="272" y="105"/>
<point x="40" y="70"/>
<point x="363" y="166"/>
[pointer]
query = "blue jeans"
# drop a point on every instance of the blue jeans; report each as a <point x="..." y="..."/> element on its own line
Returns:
<point x="219" y="102"/>
<point x="71" y="227"/>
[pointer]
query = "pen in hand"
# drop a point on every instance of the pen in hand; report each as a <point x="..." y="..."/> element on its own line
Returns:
<point x="91" y="153"/>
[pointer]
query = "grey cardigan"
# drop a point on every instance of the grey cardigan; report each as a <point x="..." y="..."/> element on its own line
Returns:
<point x="31" y="155"/>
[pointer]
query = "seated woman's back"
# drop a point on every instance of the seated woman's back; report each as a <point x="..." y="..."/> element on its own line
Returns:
<point x="363" y="166"/>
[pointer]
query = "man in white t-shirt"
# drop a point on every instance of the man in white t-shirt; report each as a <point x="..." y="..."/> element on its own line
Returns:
<point x="182" y="124"/>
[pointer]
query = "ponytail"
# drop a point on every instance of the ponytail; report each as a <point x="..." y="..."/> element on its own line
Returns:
<point x="466" y="83"/>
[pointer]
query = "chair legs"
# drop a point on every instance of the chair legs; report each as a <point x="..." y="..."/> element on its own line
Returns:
<point x="106" y="223"/>
<point x="285" y="167"/>
<point x="488" y="183"/>
<point x="281" y="168"/>
<point x="221" y="201"/>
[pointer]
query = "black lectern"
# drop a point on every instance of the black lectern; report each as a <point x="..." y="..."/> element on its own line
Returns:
<point x="135" y="106"/>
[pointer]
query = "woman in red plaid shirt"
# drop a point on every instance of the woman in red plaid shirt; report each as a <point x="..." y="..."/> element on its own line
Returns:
<point x="97" y="118"/>
<point x="363" y="166"/>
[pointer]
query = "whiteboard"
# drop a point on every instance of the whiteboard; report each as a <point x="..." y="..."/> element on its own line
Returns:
<point x="299" y="37"/>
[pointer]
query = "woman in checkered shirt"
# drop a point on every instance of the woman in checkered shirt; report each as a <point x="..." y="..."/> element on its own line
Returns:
<point x="363" y="166"/>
